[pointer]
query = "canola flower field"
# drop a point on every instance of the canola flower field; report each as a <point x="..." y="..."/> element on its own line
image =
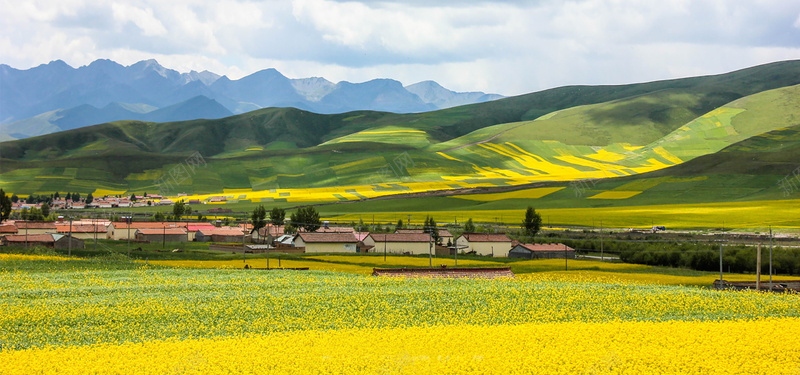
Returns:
<point x="88" y="316"/>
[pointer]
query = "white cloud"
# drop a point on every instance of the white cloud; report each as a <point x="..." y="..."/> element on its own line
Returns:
<point x="142" y="18"/>
<point x="507" y="47"/>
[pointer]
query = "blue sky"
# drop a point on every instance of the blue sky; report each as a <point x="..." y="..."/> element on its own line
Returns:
<point x="506" y="47"/>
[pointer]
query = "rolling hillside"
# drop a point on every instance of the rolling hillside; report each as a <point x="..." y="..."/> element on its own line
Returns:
<point x="563" y="134"/>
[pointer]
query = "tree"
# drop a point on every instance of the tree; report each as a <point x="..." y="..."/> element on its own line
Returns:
<point x="187" y="210"/>
<point x="68" y="197"/>
<point x="532" y="222"/>
<point x="306" y="217"/>
<point x="5" y="206"/>
<point x="56" y="196"/>
<point x="76" y="197"/>
<point x="430" y="227"/>
<point x="159" y="216"/>
<point x="178" y="209"/>
<point x="45" y="210"/>
<point x="35" y="214"/>
<point x="277" y="216"/>
<point x="89" y="198"/>
<point x="399" y="224"/>
<point x="24" y="213"/>
<point x="200" y="217"/>
<point x="361" y="227"/>
<point x="259" y="218"/>
<point x="469" y="227"/>
<point x="133" y="198"/>
<point x="289" y="228"/>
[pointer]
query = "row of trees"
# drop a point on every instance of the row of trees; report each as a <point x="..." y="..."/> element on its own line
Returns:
<point x="34" y="199"/>
<point x="308" y="218"/>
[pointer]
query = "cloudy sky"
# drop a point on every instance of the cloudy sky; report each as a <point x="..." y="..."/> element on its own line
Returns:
<point x="506" y="47"/>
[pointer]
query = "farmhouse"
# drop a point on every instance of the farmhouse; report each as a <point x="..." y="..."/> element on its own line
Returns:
<point x="494" y="244"/>
<point x="403" y="243"/>
<point x="542" y="251"/>
<point x="333" y="230"/>
<point x="193" y="228"/>
<point x="366" y="240"/>
<point x="118" y="230"/>
<point x="83" y="231"/>
<point x="327" y="242"/>
<point x="224" y="234"/>
<point x="35" y="227"/>
<point x="163" y="234"/>
<point x="444" y="234"/>
<point x="8" y="229"/>
<point x="52" y="240"/>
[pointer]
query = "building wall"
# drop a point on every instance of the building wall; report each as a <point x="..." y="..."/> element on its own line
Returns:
<point x="226" y="239"/>
<point x="325" y="247"/>
<point x="369" y="241"/>
<point x="498" y="249"/>
<point x="63" y="243"/>
<point x="402" y="247"/>
<point x="86" y="236"/>
<point x="31" y="244"/>
<point x="160" y="237"/>
<point x="35" y="231"/>
<point x="120" y="234"/>
<point x="554" y="255"/>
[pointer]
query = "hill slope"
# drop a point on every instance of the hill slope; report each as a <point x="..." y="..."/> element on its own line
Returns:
<point x="604" y="131"/>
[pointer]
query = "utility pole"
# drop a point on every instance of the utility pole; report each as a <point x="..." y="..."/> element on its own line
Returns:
<point x="720" y="265"/>
<point x="601" y="240"/>
<point x="244" y="247"/>
<point x="770" y="258"/>
<point x="565" y="258"/>
<point x="94" y="229"/>
<point x="758" y="267"/>
<point x="430" y="249"/>
<point x="128" y="221"/>
<point x="69" y="249"/>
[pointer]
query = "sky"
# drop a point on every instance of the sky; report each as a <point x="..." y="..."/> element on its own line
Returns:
<point x="505" y="47"/>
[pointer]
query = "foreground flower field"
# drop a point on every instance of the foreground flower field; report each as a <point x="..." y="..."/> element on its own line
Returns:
<point x="77" y="316"/>
<point x="766" y="346"/>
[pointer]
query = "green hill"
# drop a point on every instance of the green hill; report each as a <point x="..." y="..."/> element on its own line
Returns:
<point x="565" y="133"/>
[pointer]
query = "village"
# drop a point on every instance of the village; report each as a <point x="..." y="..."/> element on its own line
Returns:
<point x="75" y="234"/>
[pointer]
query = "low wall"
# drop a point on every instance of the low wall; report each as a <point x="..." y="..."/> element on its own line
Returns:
<point x="777" y="285"/>
<point x="238" y="249"/>
<point x="444" y="272"/>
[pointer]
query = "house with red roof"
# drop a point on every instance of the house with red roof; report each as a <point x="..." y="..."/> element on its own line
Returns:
<point x="163" y="234"/>
<point x="491" y="244"/>
<point x="51" y="240"/>
<point x="326" y="242"/>
<point x="222" y="234"/>
<point x="35" y="227"/>
<point x="82" y="231"/>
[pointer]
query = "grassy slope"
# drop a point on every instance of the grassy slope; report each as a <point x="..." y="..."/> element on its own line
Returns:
<point x="258" y="150"/>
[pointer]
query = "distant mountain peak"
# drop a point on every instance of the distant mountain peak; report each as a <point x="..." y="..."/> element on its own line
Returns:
<point x="147" y="85"/>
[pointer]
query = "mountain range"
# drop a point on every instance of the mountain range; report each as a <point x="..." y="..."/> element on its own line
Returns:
<point x="722" y="137"/>
<point x="56" y="97"/>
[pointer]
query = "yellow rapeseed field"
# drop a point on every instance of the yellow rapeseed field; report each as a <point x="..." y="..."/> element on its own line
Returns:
<point x="767" y="346"/>
<point x="83" y="316"/>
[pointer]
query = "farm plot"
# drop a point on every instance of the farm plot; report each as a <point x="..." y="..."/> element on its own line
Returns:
<point x="120" y="317"/>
